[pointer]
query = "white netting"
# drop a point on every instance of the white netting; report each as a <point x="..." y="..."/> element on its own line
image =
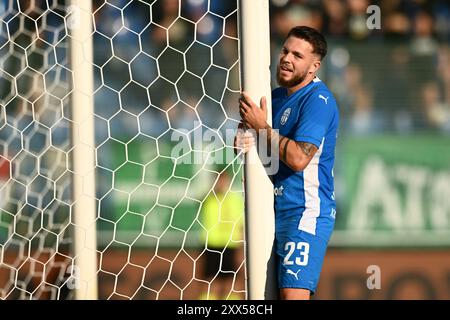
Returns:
<point x="165" y="99"/>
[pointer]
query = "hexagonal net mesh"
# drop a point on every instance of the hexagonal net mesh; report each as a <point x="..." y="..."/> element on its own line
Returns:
<point x="169" y="205"/>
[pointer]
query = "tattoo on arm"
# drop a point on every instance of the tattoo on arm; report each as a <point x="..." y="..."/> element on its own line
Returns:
<point x="285" y="150"/>
<point x="281" y="143"/>
<point x="307" y="148"/>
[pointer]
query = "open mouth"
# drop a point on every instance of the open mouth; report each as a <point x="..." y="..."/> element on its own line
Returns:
<point x="286" y="69"/>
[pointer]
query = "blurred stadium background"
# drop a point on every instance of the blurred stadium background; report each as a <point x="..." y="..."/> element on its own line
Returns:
<point x="393" y="158"/>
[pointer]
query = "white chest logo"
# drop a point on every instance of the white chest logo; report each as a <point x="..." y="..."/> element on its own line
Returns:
<point x="324" y="99"/>
<point x="285" y="116"/>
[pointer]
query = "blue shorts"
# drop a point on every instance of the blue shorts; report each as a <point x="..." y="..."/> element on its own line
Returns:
<point x="300" y="256"/>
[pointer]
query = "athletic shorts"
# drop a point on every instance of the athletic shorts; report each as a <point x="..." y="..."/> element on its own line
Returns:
<point x="300" y="257"/>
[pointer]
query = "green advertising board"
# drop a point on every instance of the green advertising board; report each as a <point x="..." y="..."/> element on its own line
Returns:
<point x="391" y="191"/>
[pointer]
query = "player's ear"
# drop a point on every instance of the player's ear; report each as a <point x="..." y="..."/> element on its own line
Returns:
<point x="315" y="66"/>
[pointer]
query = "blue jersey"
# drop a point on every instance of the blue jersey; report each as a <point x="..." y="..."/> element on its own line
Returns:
<point x="306" y="198"/>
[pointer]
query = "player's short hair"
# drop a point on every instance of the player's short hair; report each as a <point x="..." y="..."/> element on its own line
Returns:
<point x="311" y="35"/>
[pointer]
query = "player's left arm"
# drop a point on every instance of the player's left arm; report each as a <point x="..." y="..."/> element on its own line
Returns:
<point x="295" y="154"/>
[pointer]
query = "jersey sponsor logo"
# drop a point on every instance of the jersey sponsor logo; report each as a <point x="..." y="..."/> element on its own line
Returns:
<point x="295" y="274"/>
<point x="278" y="191"/>
<point x="285" y="116"/>
<point x="324" y="98"/>
<point x="333" y="213"/>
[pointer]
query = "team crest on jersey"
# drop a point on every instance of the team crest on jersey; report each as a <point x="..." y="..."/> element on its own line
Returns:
<point x="285" y="116"/>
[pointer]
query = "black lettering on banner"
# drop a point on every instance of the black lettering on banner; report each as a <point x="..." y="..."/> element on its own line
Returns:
<point x="409" y="278"/>
<point x="343" y="281"/>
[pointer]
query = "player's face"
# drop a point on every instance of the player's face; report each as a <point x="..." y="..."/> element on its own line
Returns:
<point x="297" y="62"/>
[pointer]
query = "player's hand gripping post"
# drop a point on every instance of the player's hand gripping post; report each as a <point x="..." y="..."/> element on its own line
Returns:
<point x="252" y="115"/>
<point x="244" y="139"/>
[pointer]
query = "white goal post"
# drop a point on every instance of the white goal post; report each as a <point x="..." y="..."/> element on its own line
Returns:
<point x="255" y="79"/>
<point x="83" y="137"/>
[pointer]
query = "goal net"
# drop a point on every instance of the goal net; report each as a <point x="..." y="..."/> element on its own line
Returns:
<point x="168" y="198"/>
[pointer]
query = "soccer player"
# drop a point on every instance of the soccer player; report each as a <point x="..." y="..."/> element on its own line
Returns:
<point x="305" y="122"/>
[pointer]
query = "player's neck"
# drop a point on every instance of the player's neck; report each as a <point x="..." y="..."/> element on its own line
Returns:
<point x="302" y="84"/>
